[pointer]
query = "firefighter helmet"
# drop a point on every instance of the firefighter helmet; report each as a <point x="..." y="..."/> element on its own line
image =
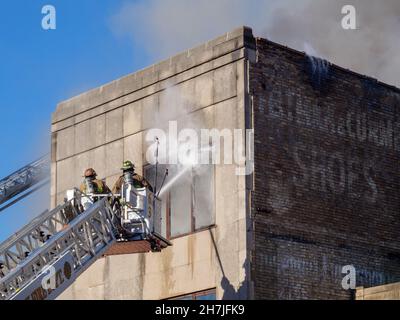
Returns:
<point x="89" y="173"/>
<point x="127" y="165"/>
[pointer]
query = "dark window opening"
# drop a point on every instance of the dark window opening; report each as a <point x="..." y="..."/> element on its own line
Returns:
<point x="187" y="197"/>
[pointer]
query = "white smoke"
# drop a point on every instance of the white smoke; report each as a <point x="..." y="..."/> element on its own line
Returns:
<point x="175" y="104"/>
<point x="165" y="27"/>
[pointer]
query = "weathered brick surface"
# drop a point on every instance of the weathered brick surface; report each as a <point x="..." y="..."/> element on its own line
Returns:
<point x="326" y="181"/>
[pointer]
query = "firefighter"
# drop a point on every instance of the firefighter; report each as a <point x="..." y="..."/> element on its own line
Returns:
<point x="93" y="185"/>
<point x="131" y="177"/>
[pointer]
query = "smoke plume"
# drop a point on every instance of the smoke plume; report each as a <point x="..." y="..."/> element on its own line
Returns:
<point x="166" y="27"/>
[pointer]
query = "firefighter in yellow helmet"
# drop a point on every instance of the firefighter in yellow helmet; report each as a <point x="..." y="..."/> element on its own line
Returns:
<point x="93" y="185"/>
<point x="128" y="170"/>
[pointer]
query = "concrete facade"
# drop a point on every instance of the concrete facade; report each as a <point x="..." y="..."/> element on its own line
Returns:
<point x="385" y="292"/>
<point x="204" y="86"/>
<point x="323" y="195"/>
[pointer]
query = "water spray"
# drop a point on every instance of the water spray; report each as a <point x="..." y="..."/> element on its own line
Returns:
<point x="175" y="179"/>
<point x="182" y="171"/>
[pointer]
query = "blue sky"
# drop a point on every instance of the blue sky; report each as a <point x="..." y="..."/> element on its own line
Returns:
<point x="97" y="41"/>
<point x="39" y="68"/>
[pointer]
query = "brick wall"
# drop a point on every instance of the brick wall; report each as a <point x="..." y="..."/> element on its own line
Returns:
<point x="326" y="181"/>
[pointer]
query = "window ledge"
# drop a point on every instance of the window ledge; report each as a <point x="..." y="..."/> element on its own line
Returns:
<point x="193" y="232"/>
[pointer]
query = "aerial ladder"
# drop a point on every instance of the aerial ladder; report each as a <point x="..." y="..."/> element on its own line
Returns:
<point x="45" y="257"/>
<point x="23" y="182"/>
